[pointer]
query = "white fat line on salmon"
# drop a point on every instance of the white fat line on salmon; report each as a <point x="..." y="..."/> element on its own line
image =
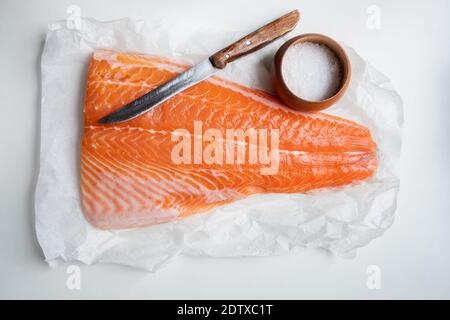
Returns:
<point x="228" y="150"/>
<point x="191" y="135"/>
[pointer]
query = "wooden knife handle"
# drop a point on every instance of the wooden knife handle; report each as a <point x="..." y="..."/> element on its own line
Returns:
<point x="256" y="40"/>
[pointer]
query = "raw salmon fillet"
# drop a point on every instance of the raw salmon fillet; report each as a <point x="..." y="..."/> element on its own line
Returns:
<point x="129" y="178"/>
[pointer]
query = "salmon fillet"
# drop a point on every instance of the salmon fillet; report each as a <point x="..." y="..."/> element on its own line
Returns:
<point x="129" y="177"/>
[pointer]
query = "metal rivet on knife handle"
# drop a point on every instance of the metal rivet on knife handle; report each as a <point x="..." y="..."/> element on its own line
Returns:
<point x="256" y="39"/>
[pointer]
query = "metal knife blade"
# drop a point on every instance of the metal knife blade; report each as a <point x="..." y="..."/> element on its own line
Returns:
<point x="184" y="80"/>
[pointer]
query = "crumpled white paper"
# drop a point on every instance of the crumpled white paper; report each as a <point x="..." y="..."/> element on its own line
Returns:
<point x="339" y="221"/>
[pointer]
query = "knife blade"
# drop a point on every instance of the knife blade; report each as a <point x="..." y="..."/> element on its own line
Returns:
<point x="205" y="69"/>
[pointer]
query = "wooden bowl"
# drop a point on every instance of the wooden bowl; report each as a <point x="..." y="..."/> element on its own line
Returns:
<point x="299" y="103"/>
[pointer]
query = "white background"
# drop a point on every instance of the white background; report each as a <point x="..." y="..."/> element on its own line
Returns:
<point x="412" y="48"/>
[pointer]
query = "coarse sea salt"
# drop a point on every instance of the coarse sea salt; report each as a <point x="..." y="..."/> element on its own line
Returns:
<point x="312" y="71"/>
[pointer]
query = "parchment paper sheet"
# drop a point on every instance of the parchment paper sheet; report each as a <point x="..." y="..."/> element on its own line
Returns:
<point x="338" y="220"/>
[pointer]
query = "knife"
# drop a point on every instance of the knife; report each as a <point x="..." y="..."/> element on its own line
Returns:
<point x="206" y="68"/>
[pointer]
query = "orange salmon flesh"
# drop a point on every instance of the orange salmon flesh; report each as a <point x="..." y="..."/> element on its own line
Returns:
<point x="128" y="174"/>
